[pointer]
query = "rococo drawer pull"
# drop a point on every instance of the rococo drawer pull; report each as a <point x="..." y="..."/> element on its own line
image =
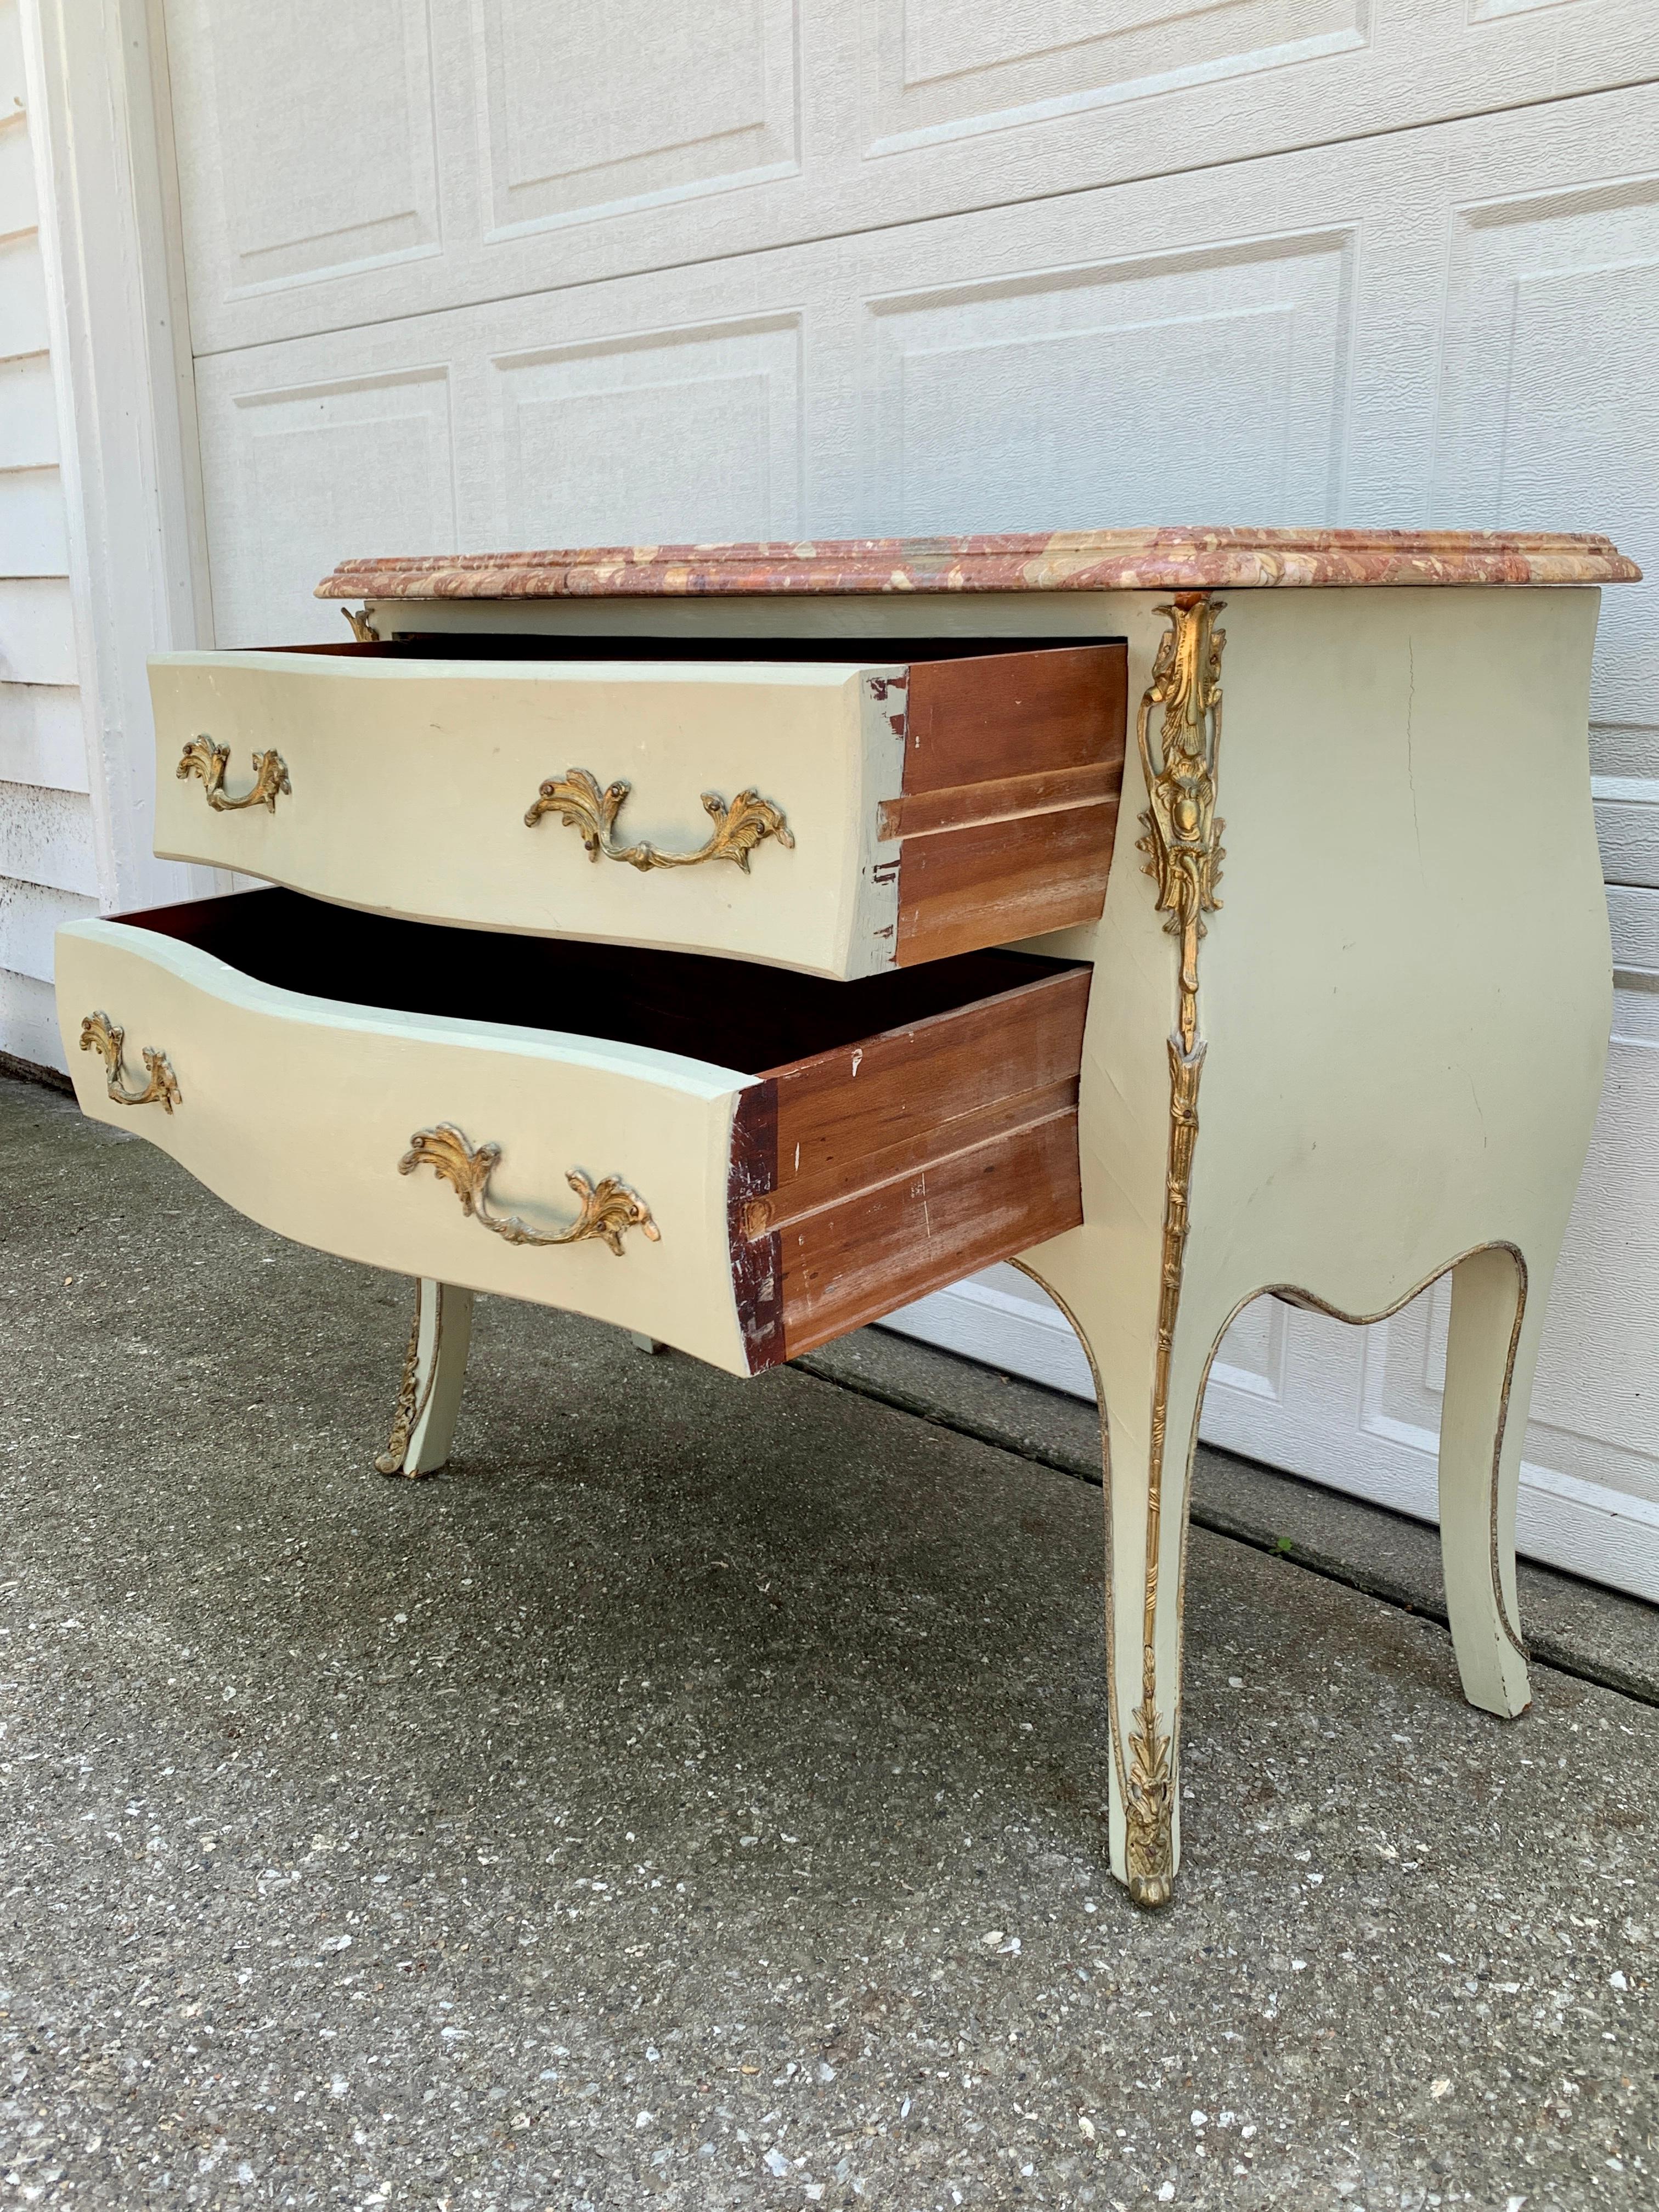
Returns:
<point x="577" y="799"/>
<point x="210" y="760"/>
<point x="100" y="1034"/>
<point x="608" y="1208"/>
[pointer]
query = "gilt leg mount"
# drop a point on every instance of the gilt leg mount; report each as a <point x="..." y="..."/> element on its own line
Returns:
<point x="429" y="1388"/>
<point x="1181" y="838"/>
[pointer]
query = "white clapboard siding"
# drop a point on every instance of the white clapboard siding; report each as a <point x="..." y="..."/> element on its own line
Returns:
<point x="28" y="1021"/>
<point x="42" y="740"/>
<point x="33" y="523"/>
<point x="48" y="860"/>
<point x="1628" y="827"/>
<point x="46" y="837"/>
<point x="37" y="630"/>
<point x="29" y="913"/>
<point x="22" y="292"/>
<point x="29" y="404"/>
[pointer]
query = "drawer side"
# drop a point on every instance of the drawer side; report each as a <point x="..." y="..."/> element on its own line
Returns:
<point x="870" y="1175"/>
<point x="1013" y="765"/>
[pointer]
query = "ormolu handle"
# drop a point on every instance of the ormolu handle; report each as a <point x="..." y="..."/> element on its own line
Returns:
<point x="100" y="1034"/>
<point x="608" y="1208"/>
<point x="581" y="804"/>
<point x="210" y="760"/>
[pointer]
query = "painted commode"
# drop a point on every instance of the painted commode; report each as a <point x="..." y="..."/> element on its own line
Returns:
<point x="1345" y="963"/>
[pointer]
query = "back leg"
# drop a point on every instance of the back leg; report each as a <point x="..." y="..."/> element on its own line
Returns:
<point x="1492" y="1351"/>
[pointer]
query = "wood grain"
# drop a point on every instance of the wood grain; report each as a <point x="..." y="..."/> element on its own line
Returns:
<point x="1000" y="880"/>
<point x="1014" y="713"/>
<point x="880" y="1248"/>
<point x="1006" y="822"/>
<point x="902" y="1163"/>
<point x="958" y="806"/>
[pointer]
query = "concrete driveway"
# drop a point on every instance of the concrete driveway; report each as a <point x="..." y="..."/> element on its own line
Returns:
<point x="696" y="1796"/>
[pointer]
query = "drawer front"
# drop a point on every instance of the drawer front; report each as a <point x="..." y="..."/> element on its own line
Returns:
<point x="835" y="818"/>
<point x="299" y="1112"/>
<point x="742" y="1217"/>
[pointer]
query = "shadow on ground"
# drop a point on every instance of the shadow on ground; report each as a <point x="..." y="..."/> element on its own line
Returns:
<point x="697" y="1795"/>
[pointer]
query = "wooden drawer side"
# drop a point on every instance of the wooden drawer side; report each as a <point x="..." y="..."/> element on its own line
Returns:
<point x="1013" y="764"/>
<point x="867" y="1177"/>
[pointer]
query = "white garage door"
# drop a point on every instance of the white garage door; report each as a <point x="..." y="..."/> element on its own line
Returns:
<point x="495" y="273"/>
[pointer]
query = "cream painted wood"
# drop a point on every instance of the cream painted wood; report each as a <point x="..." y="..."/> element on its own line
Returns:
<point x="296" y="1111"/>
<point x="1406" y="1027"/>
<point x="434" y="1375"/>
<point x="1405" y="996"/>
<point x="411" y="779"/>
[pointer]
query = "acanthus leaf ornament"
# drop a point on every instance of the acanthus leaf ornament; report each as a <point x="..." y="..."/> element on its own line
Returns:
<point x="1148" y="1809"/>
<point x="608" y="1208"/>
<point x="1181" y="830"/>
<point x="108" y="1039"/>
<point x="203" y="758"/>
<point x="581" y="804"/>
<point x="407" y="1410"/>
<point x="1182" y="840"/>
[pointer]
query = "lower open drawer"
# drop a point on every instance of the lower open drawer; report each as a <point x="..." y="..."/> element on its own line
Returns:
<point x="741" y="1161"/>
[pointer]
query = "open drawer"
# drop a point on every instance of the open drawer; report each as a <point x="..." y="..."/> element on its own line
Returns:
<point x="740" y="1161"/>
<point x="894" y="805"/>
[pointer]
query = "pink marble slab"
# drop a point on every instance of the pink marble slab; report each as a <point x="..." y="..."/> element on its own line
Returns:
<point x="1063" y="561"/>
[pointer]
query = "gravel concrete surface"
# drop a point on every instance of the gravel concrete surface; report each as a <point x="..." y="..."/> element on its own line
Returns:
<point x="695" y="1797"/>
<point x="1577" y="1626"/>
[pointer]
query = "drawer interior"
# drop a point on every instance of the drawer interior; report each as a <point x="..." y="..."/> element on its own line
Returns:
<point x="854" y="651"/>
<point x="756" y="1020"/>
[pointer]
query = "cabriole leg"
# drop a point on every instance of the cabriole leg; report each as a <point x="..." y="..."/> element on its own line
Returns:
<point x="1147" y="1486"/>
<point x="1149" y="1392"/>
<point x="429" y="1390"/>
<point x="1491" y="1349"/>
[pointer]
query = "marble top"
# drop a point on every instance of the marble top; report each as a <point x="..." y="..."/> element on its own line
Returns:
<point x="1061" y="560"/>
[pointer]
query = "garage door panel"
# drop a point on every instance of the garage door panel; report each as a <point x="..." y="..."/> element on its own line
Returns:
<point x="516" y="147"/>
<point x="605" y="106"/>
<point x="469" y="429"/>
<point x="678" y="434"/>
<point x="1048" y="400"/>
<point x="306" y="146"/>
<point x="292" y="469"/>
<point x="944" y="71"/>
<point x="1547" y="406"/>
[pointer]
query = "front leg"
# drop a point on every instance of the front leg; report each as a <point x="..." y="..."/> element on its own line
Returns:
<point x="1149" y="1368"/>
<point x="429" y="1390"/>
<point x="1491" y="1349"/>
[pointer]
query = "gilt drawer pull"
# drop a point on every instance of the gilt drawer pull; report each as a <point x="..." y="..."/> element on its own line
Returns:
<point x="581" y="804"/>
<point x="100" y="1034"/>
<point x="608" y="1208"/>
<point x="210" y="760"/>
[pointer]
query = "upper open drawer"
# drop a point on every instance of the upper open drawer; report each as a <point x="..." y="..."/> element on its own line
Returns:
<point x="894" y="805"/>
